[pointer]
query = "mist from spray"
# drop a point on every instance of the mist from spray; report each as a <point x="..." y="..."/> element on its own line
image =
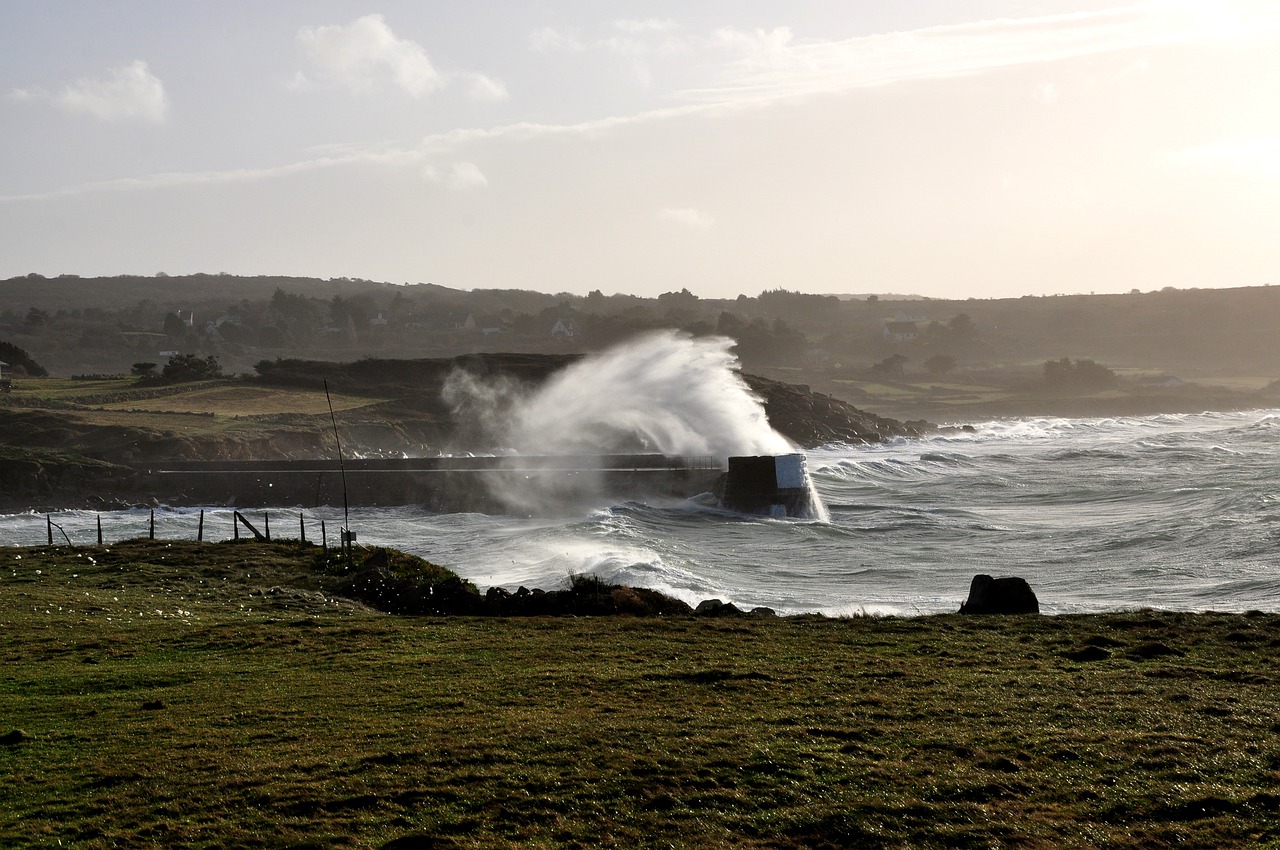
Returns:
<point x="665" y="392"/>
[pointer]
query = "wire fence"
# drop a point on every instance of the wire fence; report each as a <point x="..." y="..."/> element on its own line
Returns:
<point x="220" y="525"/>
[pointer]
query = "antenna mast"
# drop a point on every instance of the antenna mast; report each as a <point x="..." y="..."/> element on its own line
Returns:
<point x="346" y="535"/>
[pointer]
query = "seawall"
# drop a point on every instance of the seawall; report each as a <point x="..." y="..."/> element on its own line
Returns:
<point x="445" y="484"/>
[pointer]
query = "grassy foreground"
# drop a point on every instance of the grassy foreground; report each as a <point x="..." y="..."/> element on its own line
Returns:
<point x="214" y="695"/>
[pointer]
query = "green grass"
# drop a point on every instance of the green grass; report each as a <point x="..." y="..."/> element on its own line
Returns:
<point x="245" y="400"/>
<point x="221" y="397"/>
<point x="200" y="409"/>
<point x="212" y="695"/>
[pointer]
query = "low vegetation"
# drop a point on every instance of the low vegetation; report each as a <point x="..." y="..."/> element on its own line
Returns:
<point x="223" y="694"/>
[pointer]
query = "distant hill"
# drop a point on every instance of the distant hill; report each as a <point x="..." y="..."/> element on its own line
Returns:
<point x="107" y="325"/>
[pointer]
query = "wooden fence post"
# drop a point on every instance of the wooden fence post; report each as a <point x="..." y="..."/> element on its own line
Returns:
<point x="99" y="529"/>
<point x="266" y="526"/>
<point x="152" y="533"/>
<point x="200" y="528"/>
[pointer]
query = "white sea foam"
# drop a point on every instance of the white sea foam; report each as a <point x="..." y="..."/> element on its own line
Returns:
<point x="666" y="393"/>
<point x="1102" y="515"/>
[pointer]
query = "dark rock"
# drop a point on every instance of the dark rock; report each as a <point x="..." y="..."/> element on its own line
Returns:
<point x="12" y="739"/>
<point x="717" y="608"/>
<point x="1011" y="595"/>
<point x="153" y="705"/>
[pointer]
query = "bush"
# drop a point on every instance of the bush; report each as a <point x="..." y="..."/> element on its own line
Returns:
<point x="1077" y="375"/>
<point x="189" y="367"/>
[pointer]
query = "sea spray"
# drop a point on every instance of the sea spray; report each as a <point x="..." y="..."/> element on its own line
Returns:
<point x="664" y="392"/>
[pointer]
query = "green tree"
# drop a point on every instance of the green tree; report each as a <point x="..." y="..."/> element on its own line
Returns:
<point x="19" y="359"/>
<point x="961" y="326"/>
<point x="939" y="364"/>
<point x="190" y="367"/>
<point x="175" y="325"/>
<point x="1067" y="374"/>
<point x="894" y="364"/>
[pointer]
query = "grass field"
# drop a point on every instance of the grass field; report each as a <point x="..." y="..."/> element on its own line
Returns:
<point x="246" y="400"/>
<point x="212" y="695"/>
<point x="222" y="397"/>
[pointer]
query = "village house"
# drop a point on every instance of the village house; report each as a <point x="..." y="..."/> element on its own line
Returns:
<point x="900" y="331"/>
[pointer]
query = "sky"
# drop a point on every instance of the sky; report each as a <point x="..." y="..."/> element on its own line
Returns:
<point x="943" y="148"/>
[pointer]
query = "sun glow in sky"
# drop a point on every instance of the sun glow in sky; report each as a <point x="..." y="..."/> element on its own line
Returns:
<point x="948" y="148"/>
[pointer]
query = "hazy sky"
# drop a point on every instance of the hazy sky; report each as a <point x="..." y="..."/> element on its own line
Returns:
<point x="949" y="148"/>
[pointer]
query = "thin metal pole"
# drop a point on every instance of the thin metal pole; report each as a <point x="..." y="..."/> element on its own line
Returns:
<point x="342" y="469"/>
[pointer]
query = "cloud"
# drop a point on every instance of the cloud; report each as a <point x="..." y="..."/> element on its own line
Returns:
<point x="768" y="64"/>
<point x="630" y="39"/>
<point x="687" y="217"/>
<point x="460" y="176"/>
<point x="128" y="93"/>
<point x="366" y="56"/>
<point x="548" y="39"/>
<point x="485" y="89"/>
<point x="388" y="158"/>
<point x="467" y="175"/>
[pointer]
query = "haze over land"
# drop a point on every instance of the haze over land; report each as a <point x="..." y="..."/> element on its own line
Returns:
<point x="969" y="149"/>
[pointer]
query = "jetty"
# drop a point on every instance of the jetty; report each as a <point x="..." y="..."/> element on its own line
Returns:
<point x="444" y="484"/>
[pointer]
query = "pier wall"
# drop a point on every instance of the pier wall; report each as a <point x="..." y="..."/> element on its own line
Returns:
<point x="485" y="485"/>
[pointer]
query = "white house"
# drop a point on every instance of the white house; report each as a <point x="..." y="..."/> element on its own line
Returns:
<point x="901" y="331"/>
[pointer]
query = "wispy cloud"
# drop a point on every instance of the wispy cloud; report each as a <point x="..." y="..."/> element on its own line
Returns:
<point x="756" y="67"/>
<point x="183" y="179"/>
<point x="128" y="93"/>
<point x="366" y="56"/>
<point x="764" y="64"/>
<point x="637" y="42"/>
<point x="694" y="219"/>
<point x="551" y="39"/>
<point x="485" y="89"/>
<point x="460" y="176"/>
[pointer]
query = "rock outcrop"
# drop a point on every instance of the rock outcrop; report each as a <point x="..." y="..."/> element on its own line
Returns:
<point x="1011" y="595"/>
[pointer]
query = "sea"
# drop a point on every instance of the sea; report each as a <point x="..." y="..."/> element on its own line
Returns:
<point x="1177" y="512"/>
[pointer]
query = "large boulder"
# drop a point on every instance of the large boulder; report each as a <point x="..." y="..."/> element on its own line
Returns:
<point x="1010" y="595"/>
